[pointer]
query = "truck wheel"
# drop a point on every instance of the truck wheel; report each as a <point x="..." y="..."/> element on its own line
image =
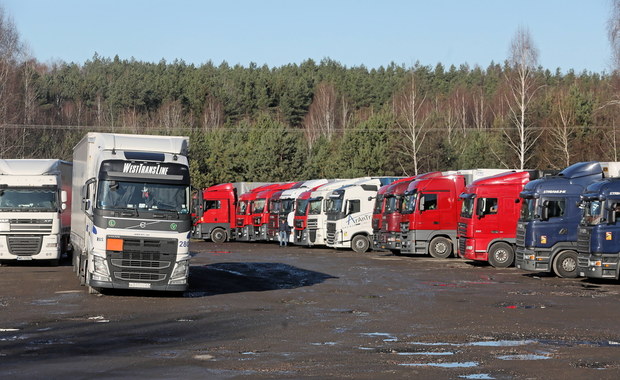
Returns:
<point x="440" y="247"/>
<point x="218" y="235"/>
<point x="501" y="255"/>
<point x="396" y="252"/>
<point x="360" y="244"/>
<point x="565" y="264"/>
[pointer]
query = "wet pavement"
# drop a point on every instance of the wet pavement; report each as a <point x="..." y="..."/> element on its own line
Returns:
<point x="262" y="311"/>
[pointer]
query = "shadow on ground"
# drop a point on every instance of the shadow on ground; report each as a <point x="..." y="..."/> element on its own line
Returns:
<point x="236" y="277"/>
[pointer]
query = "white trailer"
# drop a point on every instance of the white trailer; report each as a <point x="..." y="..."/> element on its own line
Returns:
<point x="131" y="217"/>
<point x="349" y="213"/>
<point x="34" y="218"/>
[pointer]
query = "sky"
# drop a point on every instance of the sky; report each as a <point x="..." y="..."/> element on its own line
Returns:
<point x="569" y="34"/>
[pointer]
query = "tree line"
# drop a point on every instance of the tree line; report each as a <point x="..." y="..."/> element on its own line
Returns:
<point x="314" y="119"/>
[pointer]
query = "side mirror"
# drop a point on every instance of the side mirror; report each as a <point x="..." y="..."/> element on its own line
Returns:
<point x="544" y="212"/>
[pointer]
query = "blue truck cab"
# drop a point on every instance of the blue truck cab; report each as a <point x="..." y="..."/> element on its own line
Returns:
<point x="599" y="230"/>
<point x="548" y="226"/>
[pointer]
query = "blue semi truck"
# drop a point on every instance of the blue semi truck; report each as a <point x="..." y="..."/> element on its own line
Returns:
<point x="599" y="230"/>
<point x="548" y="226"/>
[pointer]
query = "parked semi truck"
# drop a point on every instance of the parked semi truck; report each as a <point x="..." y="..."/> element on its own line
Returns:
<point x="489" y="214"/>
<point x="35" y="210"/>
<point x="349" y="213"/>
<point x="261" y="212"/>
<point x="283" y="206"/>
<point x="430" y="212"/>
<point x="244" y="229"/>
<point x="310" y="220"/>
<point x="598" y="241"/>
<point x="215" y="209"/>
<point x="548" y="225"/>
<point x="130" y="212"/>
<point x="386" y="215"/>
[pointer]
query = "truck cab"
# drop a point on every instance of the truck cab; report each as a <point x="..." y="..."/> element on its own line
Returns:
<point x="349" y="213"/>
<point x="386" y="215"/>
<point x="598" y="242"/>
<point x="489" y="214"/>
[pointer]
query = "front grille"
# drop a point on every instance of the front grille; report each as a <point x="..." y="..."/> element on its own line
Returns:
<point x="25" y="245"/>
<point x="520" y="238"/>
<point x="31" y="226"/>
<point x="143" y="259"/>
<point x="375" y="224"/>
<point x="462" y="230"/>
<point x="583" y="240"/>
<point x="313" y="223"/>
<point x="462" y="245"/>
<point x="331" y="233"/>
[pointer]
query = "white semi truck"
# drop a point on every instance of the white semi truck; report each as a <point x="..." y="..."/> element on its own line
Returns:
<point x="131" y="216"/>
<point x="34" y="214"/>
<point x="349" y="213"/>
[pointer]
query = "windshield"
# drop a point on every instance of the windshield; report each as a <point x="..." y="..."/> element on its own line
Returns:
<point x="333" y="205"/>
<point x="592" y="213"/>
<point x="243" y="206"/>
<point x="378" y="204"/>
<point x="315" y="207"/>
<point x="28" y="199"/>
<point x="407" y="204"/>
<point x="391" y="205"/>
<point x="274" y="206"/>
<point x="528" y="209"/>
<point x="300" y="210"/>
<point x="287" y="205"/>
<point x="259" y="206"/>
<point x="467" y="208"/>
<point x="114" y="195"/>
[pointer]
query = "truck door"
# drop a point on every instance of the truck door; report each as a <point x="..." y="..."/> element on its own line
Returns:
<point x="430" y="212"/>
<point x="213" y="211"/>
<point x="487" y="214"/>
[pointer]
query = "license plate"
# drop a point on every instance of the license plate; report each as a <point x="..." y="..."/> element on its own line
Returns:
<point x="139" y="285"/>
<point x="24" y="258"/>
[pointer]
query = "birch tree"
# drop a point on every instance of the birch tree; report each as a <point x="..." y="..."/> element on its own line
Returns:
<point x="523" y="61"/>
<point x="412" y="115"/>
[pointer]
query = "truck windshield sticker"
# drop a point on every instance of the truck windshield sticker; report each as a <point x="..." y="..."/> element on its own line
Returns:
<point x="145" y="169"/>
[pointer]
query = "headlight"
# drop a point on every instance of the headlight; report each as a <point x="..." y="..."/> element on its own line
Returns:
<point x="180" y="272"/>
<point x="100" y="266"/>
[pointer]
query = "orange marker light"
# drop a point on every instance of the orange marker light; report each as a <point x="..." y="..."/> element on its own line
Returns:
<point x="114" y="245"/>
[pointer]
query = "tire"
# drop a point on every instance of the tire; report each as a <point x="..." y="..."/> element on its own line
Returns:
<point x="218" y="235"/>
<point x="501" y="255"/>
<point x="360" y="244"/>
<point x="440" y="248"/>
<point x="396" y="252"/>
<point x="565" y="264"/>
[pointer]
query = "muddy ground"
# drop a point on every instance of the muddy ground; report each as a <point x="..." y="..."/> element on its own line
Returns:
<point x="261" y="311"/>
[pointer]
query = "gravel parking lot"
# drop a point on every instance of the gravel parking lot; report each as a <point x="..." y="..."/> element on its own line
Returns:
<point x="256" y="310"/>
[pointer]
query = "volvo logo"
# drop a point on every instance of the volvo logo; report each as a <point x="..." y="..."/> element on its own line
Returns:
<point x="142" y="224"/>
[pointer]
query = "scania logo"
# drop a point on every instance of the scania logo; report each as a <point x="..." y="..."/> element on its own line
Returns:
<point x="142" y="224"/>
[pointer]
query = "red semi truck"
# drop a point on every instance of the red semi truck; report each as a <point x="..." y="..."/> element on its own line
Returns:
<point x="215" y="208"/>
<point x="386" y="215"/>
<point x="243" y="218"/>
<point x="430" y="212"/>
<point x="260" y="209"/>
<point x="488" y="223"/>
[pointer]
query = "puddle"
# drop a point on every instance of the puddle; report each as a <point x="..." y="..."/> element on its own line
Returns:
<point x="426" y="353"/>
<point x="483" y="376"/>
<point x="8" y="330"/>
<point x="524" y="357"/>
<point x="166" y="354"/>
<point x="68" y="291"/>
<point x="388" y="337"/>
<point x="44" y="302"/>
<point x="217" y="252"/>
<point x="99" y="319"/>
<point x="500" y="343"/>
<point x="442" y="365"/>
<point x="324" y="344"/>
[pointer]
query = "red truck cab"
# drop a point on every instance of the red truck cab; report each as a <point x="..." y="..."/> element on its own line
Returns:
<point x="489" y="214"/>
<point x="243" y="218"/>
<point x="260" y="210"/>
<point x="386" y="215"/>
